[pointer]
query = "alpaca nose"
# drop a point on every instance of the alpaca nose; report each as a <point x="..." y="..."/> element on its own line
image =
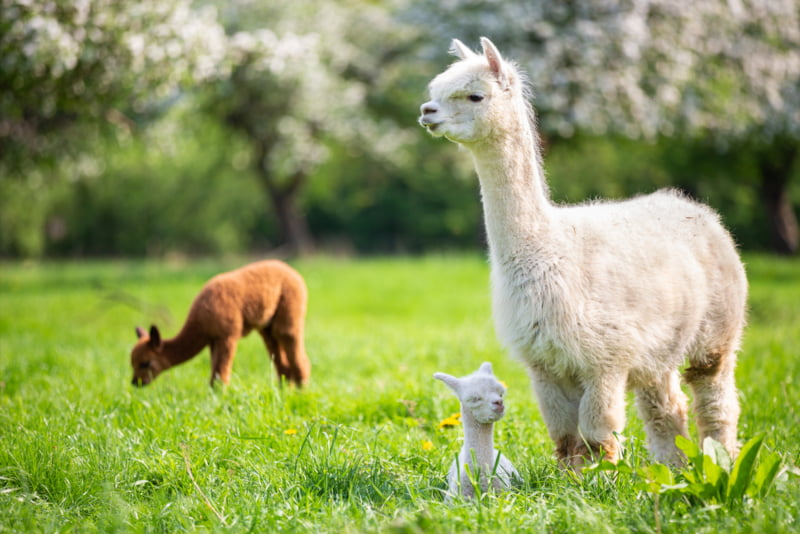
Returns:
<point x="426" y="119"/>
<point x="428" y="108"/>
<point x="498" y="404"/>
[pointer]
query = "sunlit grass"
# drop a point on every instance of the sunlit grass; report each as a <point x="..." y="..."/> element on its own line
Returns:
<point x="362" y="448"/>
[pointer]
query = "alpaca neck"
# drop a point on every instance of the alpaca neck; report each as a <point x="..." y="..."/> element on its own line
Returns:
<point x="186" y="345"/>
<point x="478" y="437"/>
<point x="516" y="203"/>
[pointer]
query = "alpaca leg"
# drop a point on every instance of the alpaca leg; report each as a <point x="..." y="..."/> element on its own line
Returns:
<point x="287" y="330"/>
<point x="300" y="361"/>
<point x="559" y="405"/>
<point x="298" y="368"/>
<point x="662" y="407"/>
<point x="715" y="402"/>
<point x="222" y="354"/>
<point x="277" y="355"/>
<point x="602" y="414"/>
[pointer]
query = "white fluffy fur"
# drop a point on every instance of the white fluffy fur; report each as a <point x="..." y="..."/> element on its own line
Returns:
<point x="599" y="297"/>
<point x="481" y="396"/>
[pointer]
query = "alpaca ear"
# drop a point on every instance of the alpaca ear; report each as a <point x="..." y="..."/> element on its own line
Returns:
<point x="155" y="337"/>
<point x="450" y="380"/>
<point x="496" y="64"/>
<point x="460" y="50"/>
<point x="140" y="333"/>
<point x="486" y="368"/>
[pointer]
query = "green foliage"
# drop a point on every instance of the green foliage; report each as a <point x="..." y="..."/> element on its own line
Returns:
<point x="184" y="186"/>
<point x="23" y="212"/>
<point x="360" y="449"/>
<point x="710" y="479"/>
<point x="370" y="206"/>
<point x="160" y="193"/>
<point x="291" y="115"/>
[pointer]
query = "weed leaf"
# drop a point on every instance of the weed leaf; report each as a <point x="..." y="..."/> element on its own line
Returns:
<point x="743" y="469"/>
<point x="692" y="452"/>
<point x="714" y="449"/>
<point x="765" y="475"/>
<point x="716" y="480"/>
<point x="604" y="465"/>
<point x="658" y="478"/>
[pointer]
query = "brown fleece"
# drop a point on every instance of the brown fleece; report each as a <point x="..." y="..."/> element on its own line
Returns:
<point x="267" y="296"/>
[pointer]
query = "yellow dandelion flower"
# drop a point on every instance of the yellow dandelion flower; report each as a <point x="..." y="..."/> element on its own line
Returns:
<point x="290" y="431"/>
<point x="504" y="384"/>
<point x="427" y="445"/>
<point x="453" y="420"/>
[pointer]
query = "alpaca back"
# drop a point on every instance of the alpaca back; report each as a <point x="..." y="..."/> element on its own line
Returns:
<point x="646" y="280"/>
<point x="249" y="297"/>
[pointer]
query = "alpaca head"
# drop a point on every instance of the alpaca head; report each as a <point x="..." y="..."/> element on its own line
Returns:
<point x="475" y="98"/>
<point x="146" y="358"/>
<point x="480" y="393"/>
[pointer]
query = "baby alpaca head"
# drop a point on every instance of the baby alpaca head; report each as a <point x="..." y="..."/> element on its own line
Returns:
<point x="472" y="100"/>
<point x="146" y="358"/>
<point x="480" y="393"/>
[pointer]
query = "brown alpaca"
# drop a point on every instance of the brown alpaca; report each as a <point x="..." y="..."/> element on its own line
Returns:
<point x="268" y="296"/>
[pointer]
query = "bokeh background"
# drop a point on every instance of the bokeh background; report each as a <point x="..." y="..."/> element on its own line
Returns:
<point x="151" y="128"/>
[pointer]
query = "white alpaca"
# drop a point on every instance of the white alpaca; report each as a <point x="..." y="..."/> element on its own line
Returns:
<point x="481" y="396"/>
<point x="600" y="297"/>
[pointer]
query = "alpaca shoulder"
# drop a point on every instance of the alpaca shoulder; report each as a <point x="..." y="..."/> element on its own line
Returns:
<point x="532" y="312"/>
<point x="216" y="310"/>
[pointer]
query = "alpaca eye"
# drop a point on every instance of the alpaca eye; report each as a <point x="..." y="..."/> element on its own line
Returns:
<point x="475" y="98"/>
<point x="144" y="365"/>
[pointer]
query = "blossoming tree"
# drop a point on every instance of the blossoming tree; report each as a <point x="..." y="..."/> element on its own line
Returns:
<point x="724" y="70"/>
<point x="291" y="89"/>
<point x="282" y="77"/>
<point x="89" y="63"/>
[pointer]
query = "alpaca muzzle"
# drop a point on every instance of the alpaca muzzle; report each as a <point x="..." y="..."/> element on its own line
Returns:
<point x="427" y="118"/>
<point x="139" y="381"/>
<point x="498" y="407"/>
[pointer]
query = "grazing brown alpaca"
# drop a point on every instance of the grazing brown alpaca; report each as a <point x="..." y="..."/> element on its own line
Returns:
<point x="268" y="296"/>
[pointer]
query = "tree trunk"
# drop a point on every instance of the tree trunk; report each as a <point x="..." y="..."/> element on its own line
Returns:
<point x="292" y="222"/>
<point x="292" y="225"/>
<point x="776" y="164"/>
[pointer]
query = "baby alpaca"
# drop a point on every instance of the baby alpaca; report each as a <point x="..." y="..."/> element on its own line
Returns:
<point x="268" y="296"/>
<point x="481" y="396"/>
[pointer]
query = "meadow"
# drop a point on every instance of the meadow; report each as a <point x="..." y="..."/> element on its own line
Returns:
<point x="361" y="449"/>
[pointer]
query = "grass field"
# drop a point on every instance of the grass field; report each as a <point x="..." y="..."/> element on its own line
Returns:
<point x="360" y="449"/>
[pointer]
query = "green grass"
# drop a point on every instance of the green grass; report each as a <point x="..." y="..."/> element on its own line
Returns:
<point x="82" y="450"/>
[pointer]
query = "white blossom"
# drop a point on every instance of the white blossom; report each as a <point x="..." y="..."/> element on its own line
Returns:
<point x="643" y="67"/>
